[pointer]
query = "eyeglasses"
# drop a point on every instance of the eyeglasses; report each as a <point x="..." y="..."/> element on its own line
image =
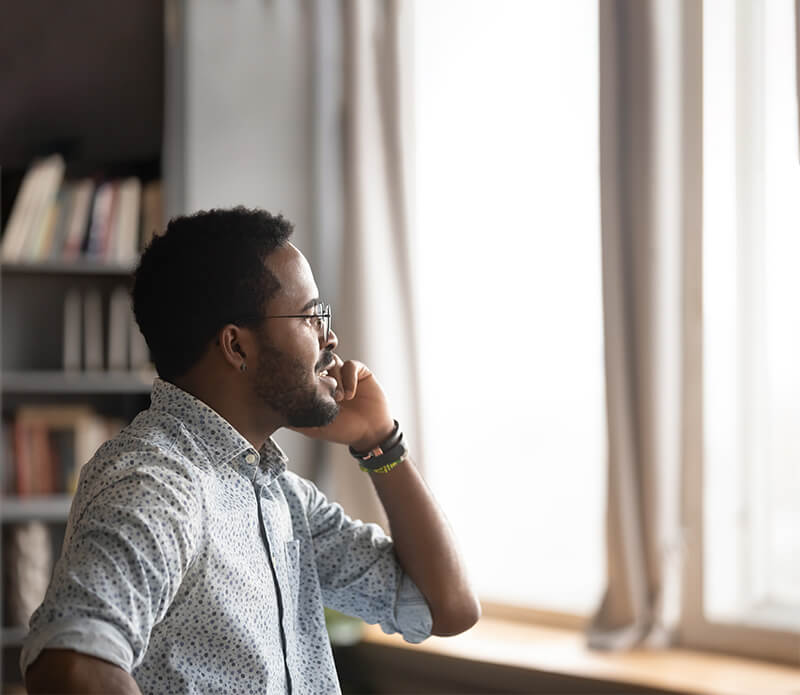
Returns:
<point x="322" y="319"/>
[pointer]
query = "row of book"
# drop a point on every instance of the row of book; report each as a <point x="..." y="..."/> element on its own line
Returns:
<point x="92" y="344"/>
<point x="45" y="446"/>
<point x="54" y="219"/>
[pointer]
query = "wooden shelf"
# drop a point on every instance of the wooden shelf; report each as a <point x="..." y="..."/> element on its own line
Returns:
<point x="54" y="382"/>
<point x="45" y="508"/>
<point x="13" y="636"/>
<point x="57" y="267"/>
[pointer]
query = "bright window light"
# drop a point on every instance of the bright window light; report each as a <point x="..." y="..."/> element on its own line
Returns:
<point x="508" y="269"/>
<point x="751" y="286"/>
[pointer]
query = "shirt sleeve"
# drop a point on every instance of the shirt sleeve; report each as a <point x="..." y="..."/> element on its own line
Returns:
<point x="359" y="572"/>
<point x="124" y="556"/>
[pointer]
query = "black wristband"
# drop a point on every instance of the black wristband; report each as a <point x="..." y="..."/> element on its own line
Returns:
<point x="388" y="451"/>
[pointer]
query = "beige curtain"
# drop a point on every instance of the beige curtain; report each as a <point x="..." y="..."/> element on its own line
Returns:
<point x="650" y="103"/>
<point x="374" y="307"/>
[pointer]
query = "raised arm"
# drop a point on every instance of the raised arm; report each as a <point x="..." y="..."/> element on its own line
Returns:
<point x="426" y="548"/>
<point x="423" y="541"/>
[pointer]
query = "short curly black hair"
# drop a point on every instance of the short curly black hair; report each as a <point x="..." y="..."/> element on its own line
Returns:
<point x="205" y="271"/>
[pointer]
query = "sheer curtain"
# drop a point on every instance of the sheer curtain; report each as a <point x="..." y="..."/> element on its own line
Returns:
<point x="363" y="221"/>
<point x="650" y="113"/>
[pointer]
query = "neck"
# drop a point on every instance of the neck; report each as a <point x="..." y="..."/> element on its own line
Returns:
<point x="234" y="400"/>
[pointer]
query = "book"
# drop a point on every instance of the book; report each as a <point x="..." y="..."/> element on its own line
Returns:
<point x="46" y="194"/>
<point x="22" y="458"/>
<point x="36" y="465"/>
<point x="17" y="225"/>
<point x="59" y="440"/>
<point x="62" y="452"/>
<point x="45" y="241"/>
<point x="72" y="331"/>
<point x="78" y="223"/>
<point x="99" y="227"/>
<point x="66" y="201"/>
<point x="124" y="241"/>
<point x="92" y="330"/>
<point x="37" y="191"/>
<point x="152" y="213"/>
<point x="9" y="481"/>
<point x="119" y="323"/>
<point x="43" y="480"/>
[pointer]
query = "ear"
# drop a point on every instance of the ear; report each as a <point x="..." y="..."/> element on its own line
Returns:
<point x="235" y="344"/>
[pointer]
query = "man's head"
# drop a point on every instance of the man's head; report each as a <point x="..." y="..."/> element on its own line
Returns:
<point x="202" y="294"/>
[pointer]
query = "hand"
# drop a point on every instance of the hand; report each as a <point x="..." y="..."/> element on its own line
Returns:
<point x="364" y="419"/>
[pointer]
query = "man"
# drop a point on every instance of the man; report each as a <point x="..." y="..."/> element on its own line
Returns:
<point x="194" y="562"/>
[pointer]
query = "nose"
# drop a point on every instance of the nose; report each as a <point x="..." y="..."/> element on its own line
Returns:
<point x="331" y="342"/>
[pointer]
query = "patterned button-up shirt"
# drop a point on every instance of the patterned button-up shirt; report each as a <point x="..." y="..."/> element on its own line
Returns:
<point x="201" y="565"/>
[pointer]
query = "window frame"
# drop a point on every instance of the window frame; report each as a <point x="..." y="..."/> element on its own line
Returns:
<point x="696" y="629"/>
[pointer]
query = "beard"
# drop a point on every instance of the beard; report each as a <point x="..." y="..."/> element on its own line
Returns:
<point x="282" y="383"/>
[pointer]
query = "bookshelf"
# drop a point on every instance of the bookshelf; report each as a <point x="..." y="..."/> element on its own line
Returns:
<point x="77" y="267"/>
<point x="95" y="96"/>
<point x="54" y="382"/>
<point x="53" y="508"/>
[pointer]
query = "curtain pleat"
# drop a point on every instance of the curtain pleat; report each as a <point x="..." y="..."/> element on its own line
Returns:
<point x="641" y="162"/>
<point x="374" y="312"/>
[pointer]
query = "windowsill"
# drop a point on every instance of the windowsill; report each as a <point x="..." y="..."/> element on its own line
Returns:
<point x="564" y="652"/>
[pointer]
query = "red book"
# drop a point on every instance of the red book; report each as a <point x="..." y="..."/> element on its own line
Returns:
<point x="40" y="459"/>
<point x="22" y="458"/>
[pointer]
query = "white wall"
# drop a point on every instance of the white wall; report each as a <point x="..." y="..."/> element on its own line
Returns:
<point x="246" y="93"/>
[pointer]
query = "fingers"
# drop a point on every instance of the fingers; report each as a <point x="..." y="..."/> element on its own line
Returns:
<point x="350" y="379"/>
<point x="347" y="375"/>
<point x="336" y="372"/>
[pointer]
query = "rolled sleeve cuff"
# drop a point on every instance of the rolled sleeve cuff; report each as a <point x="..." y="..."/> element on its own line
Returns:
<point x="85" y="635"/>
<point x="412" y="615"/>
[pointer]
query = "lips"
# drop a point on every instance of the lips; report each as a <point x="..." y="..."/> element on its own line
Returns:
<point x="324" y="370"/>
<point x="328" y="380"/>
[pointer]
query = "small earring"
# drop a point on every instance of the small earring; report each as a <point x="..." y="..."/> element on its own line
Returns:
<point x="243" y="367"/>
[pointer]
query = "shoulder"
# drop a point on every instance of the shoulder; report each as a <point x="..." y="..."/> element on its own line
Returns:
<point x="132" y="470"/>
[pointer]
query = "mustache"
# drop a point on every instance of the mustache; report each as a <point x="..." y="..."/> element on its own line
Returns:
<point x="324" y="360"/>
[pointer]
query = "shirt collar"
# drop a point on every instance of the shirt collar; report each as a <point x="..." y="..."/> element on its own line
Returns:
<point x="223" y="442"/>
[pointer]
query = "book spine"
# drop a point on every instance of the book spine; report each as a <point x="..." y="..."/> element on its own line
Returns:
<point x="72" y="330"/>
<point x="52" y="174"/>
<point x="93" y="330"/>
<point x="78" y="224"/>
<point x="101" y="219"/>
<point x="118" y="327"/>
<point x="22" y="458"/>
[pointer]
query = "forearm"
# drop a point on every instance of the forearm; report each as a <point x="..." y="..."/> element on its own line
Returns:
<point x="66" y="671"/>
<point x="423" y="542"/>
<point x="426" y="548"/>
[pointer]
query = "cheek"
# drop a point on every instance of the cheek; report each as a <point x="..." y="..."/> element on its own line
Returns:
<point x="299" y="345"/>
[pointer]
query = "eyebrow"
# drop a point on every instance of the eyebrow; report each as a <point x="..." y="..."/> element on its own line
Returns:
<point x="311" y="303"/>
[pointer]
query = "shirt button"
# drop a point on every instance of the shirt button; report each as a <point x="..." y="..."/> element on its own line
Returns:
<point x="250" y="458"/>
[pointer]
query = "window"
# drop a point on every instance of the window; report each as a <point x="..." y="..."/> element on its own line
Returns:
<point x="751" y="324"/>
<point x="508" y="266"/>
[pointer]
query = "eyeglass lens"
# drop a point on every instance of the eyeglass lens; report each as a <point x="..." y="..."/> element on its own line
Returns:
<point x="326" y="321"/>
<point x="324" y="313"/>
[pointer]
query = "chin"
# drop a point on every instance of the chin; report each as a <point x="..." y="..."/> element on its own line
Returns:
<point x="322" y="412"/>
